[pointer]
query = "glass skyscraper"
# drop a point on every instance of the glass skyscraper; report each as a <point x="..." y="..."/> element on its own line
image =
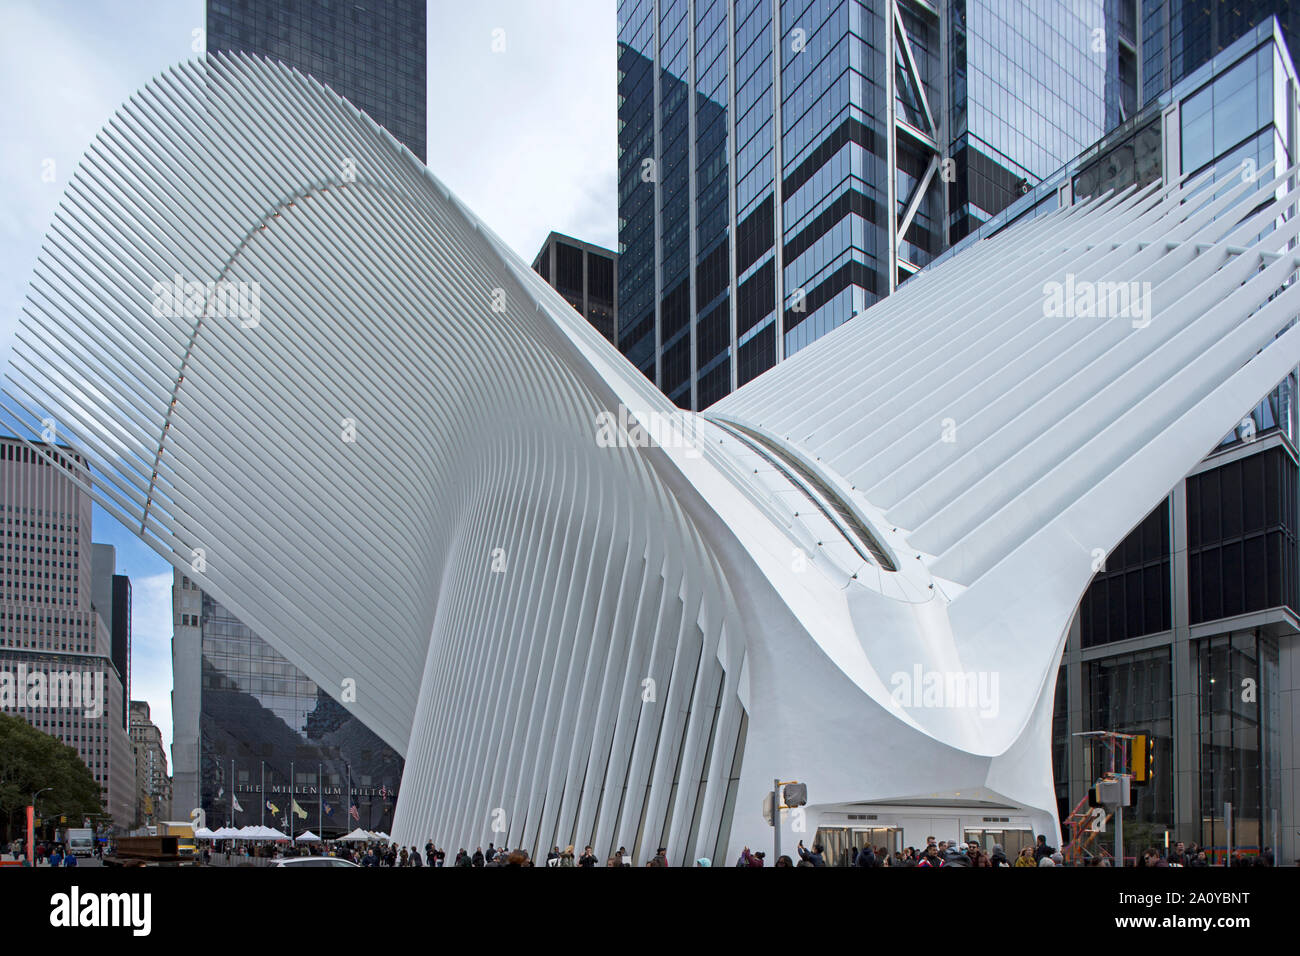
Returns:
<point x="1180" y="35"/>
<point x="259" y="722"/>
<point x="783" y="164"/>
<point x="373" y="55"/>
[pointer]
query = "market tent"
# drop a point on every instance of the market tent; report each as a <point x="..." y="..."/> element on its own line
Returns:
<point x="357" y="836"/>
<point x="307" y="837"/>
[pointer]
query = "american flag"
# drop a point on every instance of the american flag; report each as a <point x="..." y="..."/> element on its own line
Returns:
<point x="352" y="811"/>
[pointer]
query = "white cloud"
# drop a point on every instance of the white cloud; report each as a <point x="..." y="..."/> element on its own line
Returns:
<point x="527" y="137"/>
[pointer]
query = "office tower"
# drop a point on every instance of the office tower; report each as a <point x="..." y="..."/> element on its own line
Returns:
<point x="373" y="55"/>
<point x="1180" y="35"/>
<point x="584" y="274"/>
<point x="112" y="600"/>
<point x="153" y="786"/>
<point x="257" y="719"/>
<point x="56" y="651"/>
<point x="1188" y="633"/>
<point x="785" y="164"/>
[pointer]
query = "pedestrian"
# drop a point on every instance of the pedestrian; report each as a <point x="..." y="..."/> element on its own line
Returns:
<point x="956" y="855"/>
<point x="998" y="857"/>
<point x="931" y="857"/>
<point x="588" y="858"/>
<point x="814" y="857"/>
<point x="1042" y="849"/>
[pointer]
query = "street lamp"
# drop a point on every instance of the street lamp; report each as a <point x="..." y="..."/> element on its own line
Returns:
<point x="31" y="826"/>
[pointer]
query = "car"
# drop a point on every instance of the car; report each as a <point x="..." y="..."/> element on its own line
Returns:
<point x="301" y="861"/>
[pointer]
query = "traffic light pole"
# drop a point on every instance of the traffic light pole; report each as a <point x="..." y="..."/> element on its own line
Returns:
<point x="1119" y="834"/>
<point x="776" y="821"/>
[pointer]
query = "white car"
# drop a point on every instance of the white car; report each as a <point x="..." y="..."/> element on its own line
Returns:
<point x="301" y="861"/>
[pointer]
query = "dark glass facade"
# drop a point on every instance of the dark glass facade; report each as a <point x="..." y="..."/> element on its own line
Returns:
<point x="1131" y="595"/>
<point x="262" y="718"/>
<point x="584" y="275"/>
<point x="1031" y="86"/>
<point x="1238" y="740"/>
<point x="784" y="165"/>
<point x="373" y="55"/>
<point x="1133" y="694"/>
<point x="121" y="639"/>
<point x="1241" y="537"/>
<point x="1178" y="36"/>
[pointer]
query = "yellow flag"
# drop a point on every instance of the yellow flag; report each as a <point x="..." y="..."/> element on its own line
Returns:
<point x="299" y="810"/>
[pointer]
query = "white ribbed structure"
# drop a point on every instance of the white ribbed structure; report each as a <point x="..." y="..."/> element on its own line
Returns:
<point x="573" y="643"/>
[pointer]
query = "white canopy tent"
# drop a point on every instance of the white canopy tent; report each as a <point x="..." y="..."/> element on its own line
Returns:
<point x="307" y="837"/>
<point x="357" y="836"/>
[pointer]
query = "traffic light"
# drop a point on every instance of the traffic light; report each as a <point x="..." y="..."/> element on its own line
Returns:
<point x="1142" y="758"/>
<point x="795" y="794"/>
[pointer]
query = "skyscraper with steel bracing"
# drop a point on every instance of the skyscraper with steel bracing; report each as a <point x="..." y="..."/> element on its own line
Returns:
<point x="783" y="164"/>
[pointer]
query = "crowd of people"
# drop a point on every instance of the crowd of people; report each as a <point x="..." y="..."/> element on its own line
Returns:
<point x="939" y="853"/>
<point x="935" y="853"/>
<point x="493" y="856"/>
<point x="47" y="853"/>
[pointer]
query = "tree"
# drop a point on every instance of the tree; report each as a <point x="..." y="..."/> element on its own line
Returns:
<point x="31" y="760"/>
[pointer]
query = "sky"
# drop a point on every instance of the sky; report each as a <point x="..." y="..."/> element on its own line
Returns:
<point x="525" y="136"/>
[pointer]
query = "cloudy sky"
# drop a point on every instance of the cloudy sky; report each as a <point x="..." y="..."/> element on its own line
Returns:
<point x="525" y="136"/>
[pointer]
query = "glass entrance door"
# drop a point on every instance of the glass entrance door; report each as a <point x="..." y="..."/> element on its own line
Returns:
<point x="841" y="843"/>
